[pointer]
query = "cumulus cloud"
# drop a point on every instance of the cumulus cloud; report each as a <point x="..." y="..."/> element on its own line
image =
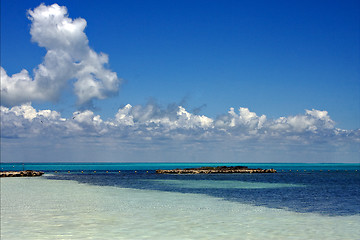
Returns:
<point x="29" y="113"/>
<point x="68" y="57"/>
<point x="245" y="119"/>
<point x="151" y="122"/>
<point x="151" y="114"/>
<point x="312" y="120"/>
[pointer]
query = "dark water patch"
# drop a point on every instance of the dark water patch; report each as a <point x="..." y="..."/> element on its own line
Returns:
<point x="335" y="193"/>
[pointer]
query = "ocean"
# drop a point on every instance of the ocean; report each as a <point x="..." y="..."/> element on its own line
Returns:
<point x="131" y="201"/>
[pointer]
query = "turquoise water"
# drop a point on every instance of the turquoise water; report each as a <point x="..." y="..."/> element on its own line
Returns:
<point x="312" y="201"/>
<point x="154" y="166"/>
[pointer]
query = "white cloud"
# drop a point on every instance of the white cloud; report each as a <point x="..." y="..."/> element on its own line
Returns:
<point x="123" y="116"/>
<point x="68" y="57"/>
<point x="152" y="116"/>
<point x="87" y="117"/>
<point x="313" y="121"/>
<point x="245" y="119"/>
<point x="28" y="112"/>
<point x="133" y="123"/>
<point x="189" y="120"/>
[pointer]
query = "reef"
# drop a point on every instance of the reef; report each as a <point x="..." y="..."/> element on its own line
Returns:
<point x="27" y="173"/>
<point x="211" y="170"/>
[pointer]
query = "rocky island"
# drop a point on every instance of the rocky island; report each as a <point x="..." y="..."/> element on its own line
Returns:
<point x="220" y="169"/>
<point x="27" y="173"/>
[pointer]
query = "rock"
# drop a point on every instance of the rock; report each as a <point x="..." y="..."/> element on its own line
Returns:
<point x="27" y="173"/>
<point x="211" y="170"/>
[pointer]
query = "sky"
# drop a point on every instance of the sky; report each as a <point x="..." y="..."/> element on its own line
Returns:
<point x="180" y="81"/>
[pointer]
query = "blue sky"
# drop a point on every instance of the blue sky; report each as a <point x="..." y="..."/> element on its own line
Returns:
<point x="274" y="58"/>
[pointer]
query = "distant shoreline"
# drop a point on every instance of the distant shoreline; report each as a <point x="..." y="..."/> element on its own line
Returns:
<point x="219" y="169"/>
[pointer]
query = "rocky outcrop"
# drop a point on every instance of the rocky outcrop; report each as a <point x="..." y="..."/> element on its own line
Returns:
<point x="27" y="173"/>
<point x="211" y="170"/>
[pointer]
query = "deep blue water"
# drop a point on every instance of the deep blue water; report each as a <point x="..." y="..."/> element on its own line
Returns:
<point x="327" y="189"/>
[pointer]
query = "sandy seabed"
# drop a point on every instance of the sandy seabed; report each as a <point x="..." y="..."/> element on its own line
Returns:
<point x="40" y="208"/>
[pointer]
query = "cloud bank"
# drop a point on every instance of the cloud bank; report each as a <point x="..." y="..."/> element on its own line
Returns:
<point x="151" y="122"/>
<point x="149" y="133"/>
<point x="68" y="58"/>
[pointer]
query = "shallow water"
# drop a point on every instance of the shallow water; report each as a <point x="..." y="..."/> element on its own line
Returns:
<point x="150" y="206"/>
<point x="335" y="193"/>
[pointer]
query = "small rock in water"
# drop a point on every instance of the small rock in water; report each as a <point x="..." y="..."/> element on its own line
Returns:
<point x="27" y="173"/>
<point x="220" y="169"/>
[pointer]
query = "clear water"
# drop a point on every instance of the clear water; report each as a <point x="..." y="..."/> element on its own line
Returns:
<point x="143" y="205"/>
